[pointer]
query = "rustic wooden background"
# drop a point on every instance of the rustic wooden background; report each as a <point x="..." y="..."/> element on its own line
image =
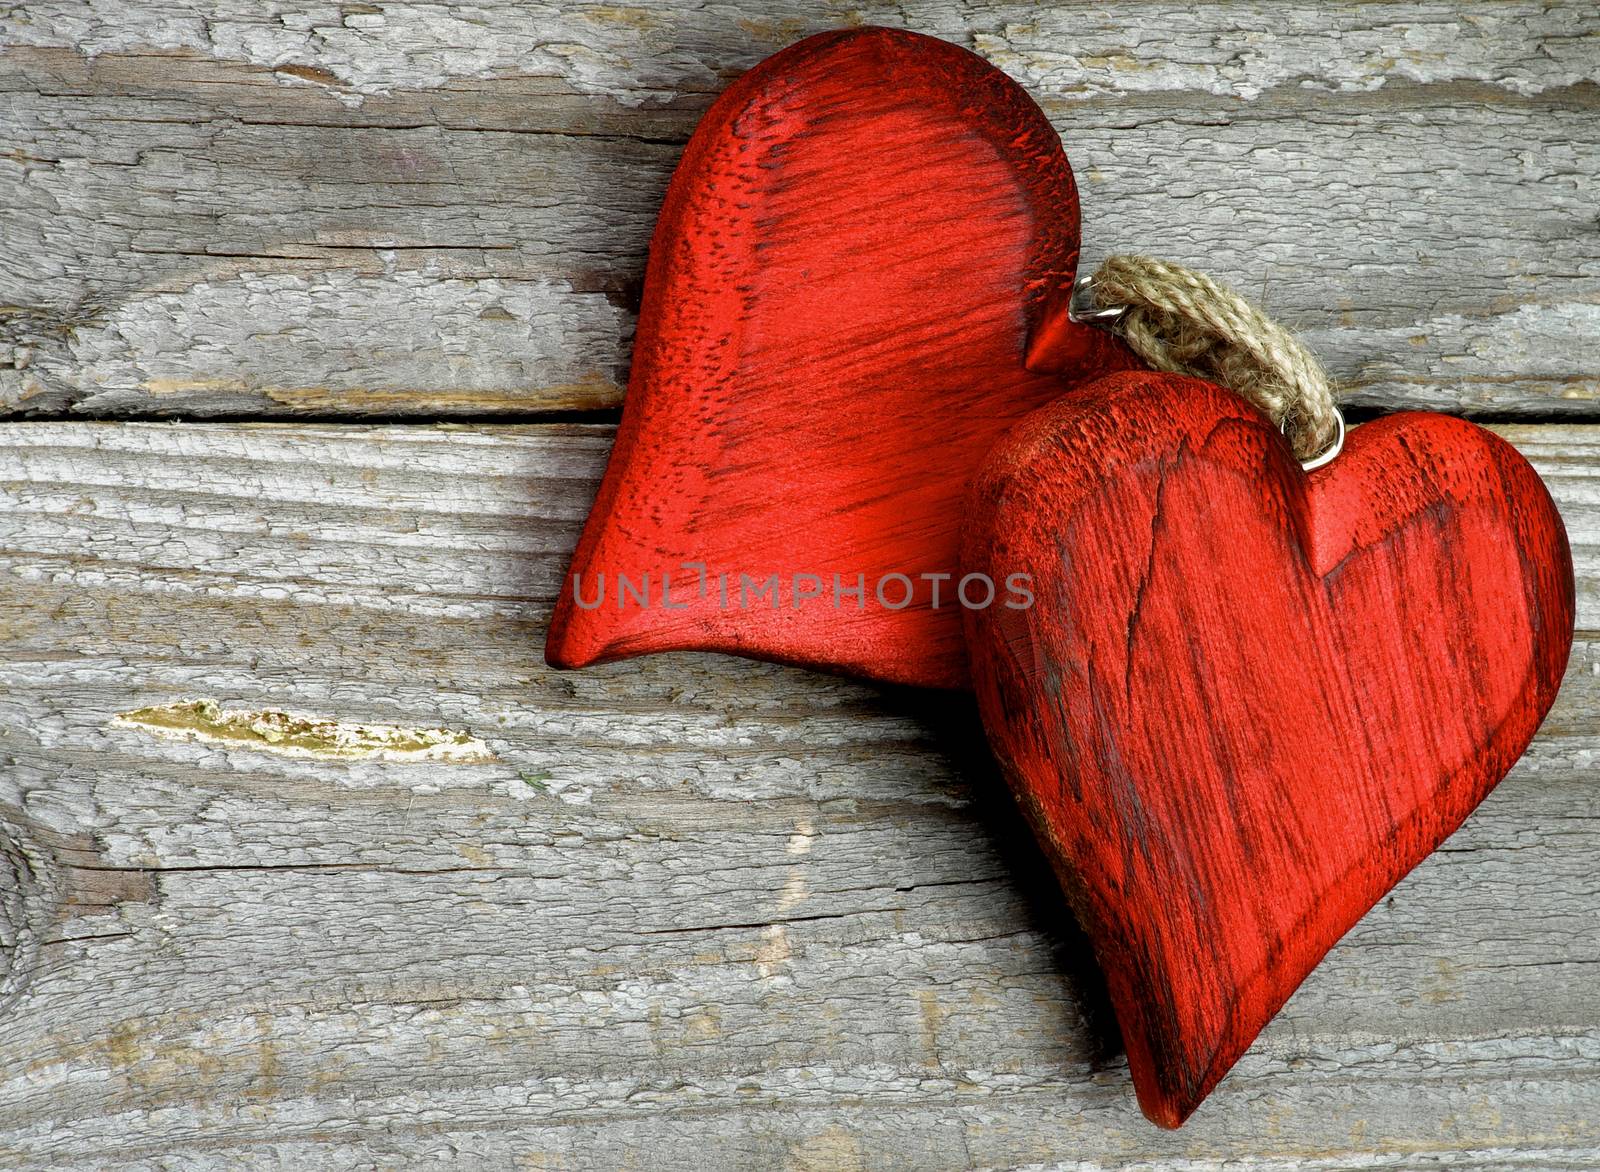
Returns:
<point x="314" y="318"/>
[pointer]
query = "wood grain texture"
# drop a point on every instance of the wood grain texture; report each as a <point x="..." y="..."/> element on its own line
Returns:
<point x="1234" y="738"/>
<point x="866" y="235"/>
<point x="700" y="913"/>
<point x="444" y="208"/>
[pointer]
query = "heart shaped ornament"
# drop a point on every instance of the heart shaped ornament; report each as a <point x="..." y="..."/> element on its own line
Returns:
<point x="1246" y="700"/>
<point x="865" y="236"/>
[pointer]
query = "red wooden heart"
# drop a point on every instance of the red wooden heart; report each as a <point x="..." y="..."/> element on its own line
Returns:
<point x="860" y="238"/>
<point x="1247" y="701"/>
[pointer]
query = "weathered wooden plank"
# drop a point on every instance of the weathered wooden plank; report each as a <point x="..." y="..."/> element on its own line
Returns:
<point x="292" y="209"/>
<point x="699" y="912"/>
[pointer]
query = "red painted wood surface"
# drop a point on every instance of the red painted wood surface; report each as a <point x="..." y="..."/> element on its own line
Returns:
<point x="1246" y="702"/>
<point x="860" y="238"/>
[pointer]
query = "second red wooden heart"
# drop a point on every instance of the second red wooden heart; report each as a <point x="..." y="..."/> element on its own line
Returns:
<point x="1247" y="701"/>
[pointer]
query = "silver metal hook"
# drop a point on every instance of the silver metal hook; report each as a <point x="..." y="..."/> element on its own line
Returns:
<point x="1324" y="457"/>
<point x="1083" y="293"/>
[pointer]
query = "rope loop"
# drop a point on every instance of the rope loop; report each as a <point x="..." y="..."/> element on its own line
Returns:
<point x="1183" y="321"/>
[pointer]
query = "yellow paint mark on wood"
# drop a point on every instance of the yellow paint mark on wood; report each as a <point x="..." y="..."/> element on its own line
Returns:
<point x="297" y="735"/>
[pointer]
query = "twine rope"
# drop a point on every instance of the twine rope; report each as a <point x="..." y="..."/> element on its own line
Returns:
<point x="1182" y="321"/>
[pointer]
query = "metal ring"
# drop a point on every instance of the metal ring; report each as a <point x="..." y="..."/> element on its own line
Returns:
<point x="1082" y="289"/>
<point x="1332" y="450"/>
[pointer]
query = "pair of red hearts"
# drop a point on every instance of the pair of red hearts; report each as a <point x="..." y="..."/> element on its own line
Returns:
<point x="1237" y="701"/>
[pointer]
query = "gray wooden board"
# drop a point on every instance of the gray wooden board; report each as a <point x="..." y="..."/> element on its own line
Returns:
<point x="698" y="913"/>
<point x="299" y="207"/>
